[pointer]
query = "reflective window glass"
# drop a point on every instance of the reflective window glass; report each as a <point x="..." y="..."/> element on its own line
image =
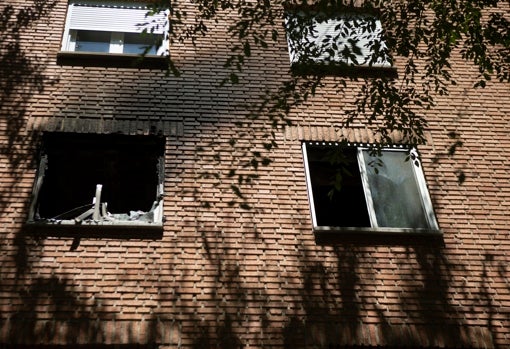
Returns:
<point x="92" y="41"/>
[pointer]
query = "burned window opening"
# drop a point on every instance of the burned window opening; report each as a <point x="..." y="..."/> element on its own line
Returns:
<point x="99" y="179"/>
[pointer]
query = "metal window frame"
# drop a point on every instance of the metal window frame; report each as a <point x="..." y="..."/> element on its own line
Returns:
<point x="419" y="179"/>
<point x="418" y="176"/>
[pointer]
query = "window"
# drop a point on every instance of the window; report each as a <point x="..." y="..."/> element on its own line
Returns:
<point x="99" y="179"/>
<point x="114" y="27"/>
<point x="345" y="39"/>
<point x="353" y="188"/>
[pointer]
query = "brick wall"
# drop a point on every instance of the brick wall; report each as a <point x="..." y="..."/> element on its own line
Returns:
<point x="243" y="269"/>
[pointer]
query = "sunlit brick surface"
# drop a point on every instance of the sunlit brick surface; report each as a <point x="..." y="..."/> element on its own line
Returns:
<point x="243" y="269"/>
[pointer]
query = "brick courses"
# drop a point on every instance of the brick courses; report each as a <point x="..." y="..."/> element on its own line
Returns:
<point x="245" y="270"/>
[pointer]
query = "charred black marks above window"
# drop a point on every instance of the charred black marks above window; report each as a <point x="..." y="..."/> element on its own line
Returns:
<point x="101" y="178"/>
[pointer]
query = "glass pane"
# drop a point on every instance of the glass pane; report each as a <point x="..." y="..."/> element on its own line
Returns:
<point x="395" y="193"/>
<point x="138" y="42"/>
<point x="338" y="195"/>
<point x="92" y="41"/>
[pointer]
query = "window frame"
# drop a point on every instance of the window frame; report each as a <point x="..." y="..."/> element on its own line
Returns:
<point x="116" y="44"/>
<point x="98" y="221"/>
<point x="420" y="181"/>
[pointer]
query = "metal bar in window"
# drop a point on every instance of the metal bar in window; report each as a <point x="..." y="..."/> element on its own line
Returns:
<point x="43" y="166"/>
<point x="366" y="188"/>
<point x="70" y="45"/>
<point x="422" y="185"/>
<point x="97" y="203"/>
<point x="309" y="186"/>
<point x="66" y="42"/>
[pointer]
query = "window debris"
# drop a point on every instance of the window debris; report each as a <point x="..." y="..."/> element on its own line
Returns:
<point x="97" y="212"/>
<point x="122" y="176"/>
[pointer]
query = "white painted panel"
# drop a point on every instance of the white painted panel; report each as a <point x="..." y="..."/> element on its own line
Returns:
<point x="115" y="19"/>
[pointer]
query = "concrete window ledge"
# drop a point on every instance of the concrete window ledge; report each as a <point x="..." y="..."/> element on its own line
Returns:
<point x="117" y="60"/>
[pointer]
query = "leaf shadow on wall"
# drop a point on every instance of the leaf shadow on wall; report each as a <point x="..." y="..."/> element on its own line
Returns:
<point x="22" y="76"/>
<point x="337" y="301"/>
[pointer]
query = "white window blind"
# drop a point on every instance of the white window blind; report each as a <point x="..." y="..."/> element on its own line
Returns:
<point x="350" y="39"/>
<point x="115" y="17"/>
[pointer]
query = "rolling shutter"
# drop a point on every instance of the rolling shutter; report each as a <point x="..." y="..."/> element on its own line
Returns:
<point x="115" y="18"/>
<point x="349" y="39"/>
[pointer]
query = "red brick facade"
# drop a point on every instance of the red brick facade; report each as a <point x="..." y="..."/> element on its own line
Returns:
<point x="242" y="270"/>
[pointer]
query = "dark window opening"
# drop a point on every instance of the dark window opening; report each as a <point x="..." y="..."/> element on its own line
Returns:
<point x="337" y="188"/>
<point x="128" y="170"/>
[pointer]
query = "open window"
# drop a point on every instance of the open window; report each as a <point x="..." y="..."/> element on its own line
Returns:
<point x="91" y="179"/>
<point x="335" y="39"/>
<point x="354" y="188"/>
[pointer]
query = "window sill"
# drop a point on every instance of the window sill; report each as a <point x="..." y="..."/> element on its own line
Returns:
<point x="70" y="228"/>
<point x="362" y="230"/>
<point x="339" y="69"/>
<point x="377" y="236"/>
<point x="117" y="60"/>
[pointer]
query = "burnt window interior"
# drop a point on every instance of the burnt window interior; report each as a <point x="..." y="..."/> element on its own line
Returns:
<point x="128" y="170"/>
<point x="337" y="189"/>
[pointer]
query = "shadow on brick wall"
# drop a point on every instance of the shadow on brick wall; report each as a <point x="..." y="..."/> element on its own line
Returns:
<point x="344" y="300"/>
<point x="68" y="315"/>
<point x="21" y="76"/>
<point x="415" y="308"/>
